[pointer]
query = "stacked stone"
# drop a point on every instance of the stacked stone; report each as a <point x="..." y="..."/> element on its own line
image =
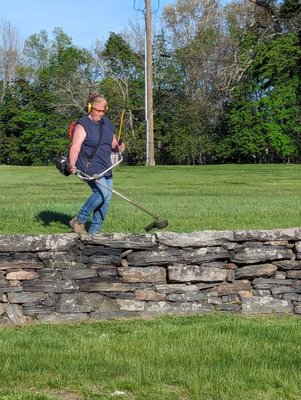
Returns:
<point x="61" y="278"/>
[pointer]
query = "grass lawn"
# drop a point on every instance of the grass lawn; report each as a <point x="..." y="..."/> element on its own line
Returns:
<point x="206" y="357"/>
<point x="212" y="357"/>
<point x="36" y="200"/>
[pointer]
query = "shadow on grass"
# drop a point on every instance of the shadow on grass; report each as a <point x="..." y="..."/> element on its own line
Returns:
<point x="50" y="217"/>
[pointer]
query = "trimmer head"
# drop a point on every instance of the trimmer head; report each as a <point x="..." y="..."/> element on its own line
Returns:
<point x="159" y="223"/>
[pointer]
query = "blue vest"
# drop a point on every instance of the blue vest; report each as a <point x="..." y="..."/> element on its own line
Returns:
<point x="102" y="157"/>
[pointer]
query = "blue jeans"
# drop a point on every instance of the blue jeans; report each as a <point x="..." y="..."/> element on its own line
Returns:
<point x="97" y="204"/>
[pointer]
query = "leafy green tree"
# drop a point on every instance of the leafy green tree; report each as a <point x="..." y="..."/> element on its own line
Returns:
<point x="29" y="137"/>
<point x="62" y="73"/>
<point x="263" y="122"/>
<point x="9" y="108"/>
<point x="43" y="137"/>
<point x="227" y="87"/>
<point x="49" y="92"/>
<point x="123" y="82"/>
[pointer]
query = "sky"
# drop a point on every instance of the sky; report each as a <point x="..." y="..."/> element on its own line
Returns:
<point x="84" y="21"/>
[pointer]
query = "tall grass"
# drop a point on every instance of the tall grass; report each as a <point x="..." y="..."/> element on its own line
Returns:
<point x="203" y="357"/>
<point x="219" y="197"/>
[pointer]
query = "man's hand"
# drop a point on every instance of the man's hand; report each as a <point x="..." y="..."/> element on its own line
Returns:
<point x="72" y="169"/>
<point x="121" y="146"/>
<point x="118" y="146"/>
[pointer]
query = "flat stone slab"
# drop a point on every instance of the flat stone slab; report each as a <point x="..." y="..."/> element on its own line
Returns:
<point x="122" y="240"/>
<point x="265" y="305"/>
<point x="27" y="243"/>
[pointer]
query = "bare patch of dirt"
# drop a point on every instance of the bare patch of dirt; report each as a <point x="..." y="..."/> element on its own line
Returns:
<point x="64" y="394"/>
<point x="68" y="395"/>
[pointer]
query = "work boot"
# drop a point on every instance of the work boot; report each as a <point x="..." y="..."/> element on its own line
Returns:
<point x="77" y="226"/>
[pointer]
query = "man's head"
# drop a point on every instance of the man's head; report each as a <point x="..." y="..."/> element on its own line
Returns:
<point x="97" y="106"/>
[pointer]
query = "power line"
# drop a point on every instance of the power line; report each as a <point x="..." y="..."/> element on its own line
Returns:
<point x="137" y="8"/>
<point x="104" y="29"/>
<point x="143" y="10"/>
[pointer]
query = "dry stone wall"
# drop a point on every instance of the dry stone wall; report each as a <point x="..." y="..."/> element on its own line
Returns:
<point x="62" y="278"/>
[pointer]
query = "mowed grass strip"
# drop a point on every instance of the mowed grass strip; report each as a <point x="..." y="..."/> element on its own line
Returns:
<point x="222" y="357"/>
<point x="39" y="200"/>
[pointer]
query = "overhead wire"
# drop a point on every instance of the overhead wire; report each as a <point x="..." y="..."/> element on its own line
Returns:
<point x="143" y="10"/>
<point x="103" y="29"/>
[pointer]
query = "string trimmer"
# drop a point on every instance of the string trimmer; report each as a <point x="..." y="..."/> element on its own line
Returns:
<point x="158" y="222"/>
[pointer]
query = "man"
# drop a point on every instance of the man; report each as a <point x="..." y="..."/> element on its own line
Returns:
<point x="90" y="152"/>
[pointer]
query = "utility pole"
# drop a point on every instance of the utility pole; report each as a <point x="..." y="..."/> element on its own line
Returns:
<point x="149" y="109"/>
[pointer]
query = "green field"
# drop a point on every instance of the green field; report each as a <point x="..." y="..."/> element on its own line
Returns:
<point x="206" y="357"/>
<point x="37" y="200"/>
<point x="209" y="357"/>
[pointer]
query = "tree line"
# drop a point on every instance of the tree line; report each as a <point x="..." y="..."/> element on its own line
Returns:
<point x="226" y="86"/>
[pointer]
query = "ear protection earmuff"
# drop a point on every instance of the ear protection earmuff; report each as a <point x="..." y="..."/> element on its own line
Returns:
<point x="89" y="105"/>
<point x="89" y="108"/>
